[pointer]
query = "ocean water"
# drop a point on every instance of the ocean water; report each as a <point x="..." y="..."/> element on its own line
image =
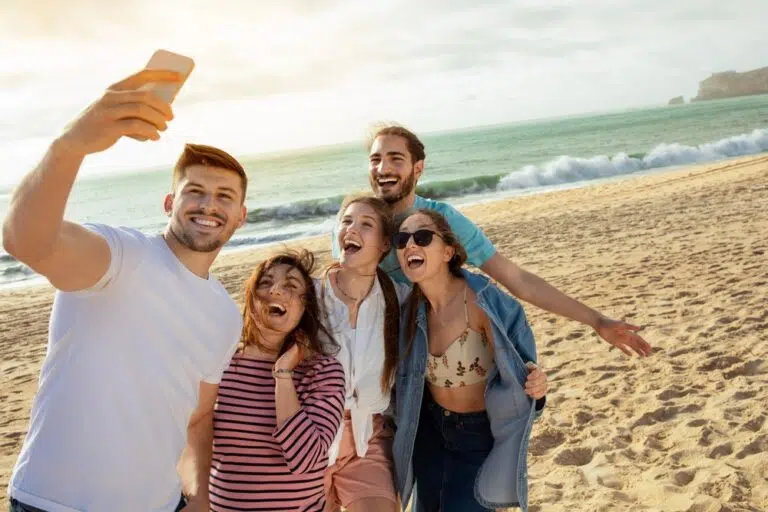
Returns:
<point x="296" y="194"/>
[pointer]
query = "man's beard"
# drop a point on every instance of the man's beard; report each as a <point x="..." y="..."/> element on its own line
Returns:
<point x="188" y="240"/>
<point x="406" y="187"/>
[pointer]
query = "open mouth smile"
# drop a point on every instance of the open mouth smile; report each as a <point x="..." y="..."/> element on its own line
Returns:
<point x="276" y="310"/>
<point x="207" y="222"/>
<point x="415" y="261"/>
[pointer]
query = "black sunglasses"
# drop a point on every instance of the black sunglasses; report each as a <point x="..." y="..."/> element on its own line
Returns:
<point x="422" y="238"/>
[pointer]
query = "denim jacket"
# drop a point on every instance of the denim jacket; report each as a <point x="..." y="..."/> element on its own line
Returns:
<point x="503" y="479"/>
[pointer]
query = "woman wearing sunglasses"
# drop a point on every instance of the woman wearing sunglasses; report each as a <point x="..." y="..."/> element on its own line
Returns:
<point x="468" y="389"/>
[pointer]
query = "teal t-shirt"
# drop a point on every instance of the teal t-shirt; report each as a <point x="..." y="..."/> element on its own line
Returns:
<point x="479" y="248"/>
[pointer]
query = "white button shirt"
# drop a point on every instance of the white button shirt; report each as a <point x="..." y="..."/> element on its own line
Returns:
<point x="362" y="356"/>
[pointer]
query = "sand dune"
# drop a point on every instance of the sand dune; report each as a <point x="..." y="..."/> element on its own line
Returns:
<point x="682" y="253"/>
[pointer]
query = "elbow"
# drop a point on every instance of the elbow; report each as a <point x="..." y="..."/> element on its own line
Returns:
<point x="10" y="244"/>
<point x="299" y="470"/>
<point x="305" y="466"/>
<point x="22" y="246"/>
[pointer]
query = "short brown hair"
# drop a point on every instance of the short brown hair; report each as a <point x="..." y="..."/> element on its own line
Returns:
<point x="199" y="154"/>
<point x="415" y="146"/>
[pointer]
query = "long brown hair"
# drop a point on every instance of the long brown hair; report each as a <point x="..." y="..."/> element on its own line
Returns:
<point x="443" y="228"/>
<point x="391" y="305"/>
<point x="307" y="332"/>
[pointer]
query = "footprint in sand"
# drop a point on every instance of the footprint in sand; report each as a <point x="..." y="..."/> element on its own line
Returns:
<point x="759" y="445"/>
<point x="660" y="415"/>
<point x="749" y="369"/>
<point x="683" y="351"/>
<point x="755" y="424"/>
<point x="575" y="335"/>
<point x="555" y="341"/>
<point x="719" y="363"/>
<point x="582" y="418"/>
<point x="683" y="478"/>
<point x="720" y="451"/>
<point x="544" y="441"/>
<point x="574" y="457"/>
<point x="673" y="393"/>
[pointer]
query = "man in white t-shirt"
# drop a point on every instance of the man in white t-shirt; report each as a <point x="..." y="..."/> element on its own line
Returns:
<point x="140" y="333"/>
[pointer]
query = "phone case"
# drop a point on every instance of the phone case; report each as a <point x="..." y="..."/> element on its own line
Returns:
<point x="163" y="59"/>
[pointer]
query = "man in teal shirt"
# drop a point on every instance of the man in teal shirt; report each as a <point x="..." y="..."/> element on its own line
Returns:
<point x="396" y="161"/>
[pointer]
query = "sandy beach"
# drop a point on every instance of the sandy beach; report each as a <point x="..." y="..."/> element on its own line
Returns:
<point x="682" y="253"/>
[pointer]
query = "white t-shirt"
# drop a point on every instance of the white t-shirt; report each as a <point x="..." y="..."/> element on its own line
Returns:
<point x="120" y="380"/>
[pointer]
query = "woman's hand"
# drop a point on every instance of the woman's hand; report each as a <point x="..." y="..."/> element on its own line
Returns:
<point x="536" y="383"/>
<point x="291" y="358"/>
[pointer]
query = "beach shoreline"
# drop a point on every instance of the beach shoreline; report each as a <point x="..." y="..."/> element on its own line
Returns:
<point x="682" y="252"/>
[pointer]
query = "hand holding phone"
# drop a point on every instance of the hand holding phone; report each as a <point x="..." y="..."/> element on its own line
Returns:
<point x="165" y="60"/>
<point x="168" y="61"/>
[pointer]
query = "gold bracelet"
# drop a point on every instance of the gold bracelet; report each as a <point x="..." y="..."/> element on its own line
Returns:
<point x="280" y="373"/>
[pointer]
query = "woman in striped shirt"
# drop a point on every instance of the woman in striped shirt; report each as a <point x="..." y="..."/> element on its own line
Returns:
<point x="280" y="401"/>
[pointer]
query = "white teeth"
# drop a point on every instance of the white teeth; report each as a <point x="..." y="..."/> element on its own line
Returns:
<point x="277" y="309"/>
<point x="205" y="222"/>
<point x="387" y="181"/>
<point x="351" y="243"/>
<point x="413" y="258"/>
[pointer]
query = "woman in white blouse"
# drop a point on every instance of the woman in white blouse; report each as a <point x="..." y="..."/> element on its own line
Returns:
<point x="361" y="305"/>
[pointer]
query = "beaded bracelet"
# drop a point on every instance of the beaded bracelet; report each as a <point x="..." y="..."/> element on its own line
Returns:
<point x="280" y="373"/>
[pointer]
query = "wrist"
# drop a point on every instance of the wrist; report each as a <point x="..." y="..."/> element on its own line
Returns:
<point x="282" y="373"/>
<point x="595" y="319"/>
<point x="63" y="147"/>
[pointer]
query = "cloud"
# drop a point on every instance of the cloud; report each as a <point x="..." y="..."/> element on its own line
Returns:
<point x="470" y="62"/>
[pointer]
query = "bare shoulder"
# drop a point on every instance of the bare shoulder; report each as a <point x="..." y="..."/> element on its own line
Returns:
<point x="478" y="320"/>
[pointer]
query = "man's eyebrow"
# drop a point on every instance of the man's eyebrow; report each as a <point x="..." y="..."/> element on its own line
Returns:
<point x="228" y="189"/>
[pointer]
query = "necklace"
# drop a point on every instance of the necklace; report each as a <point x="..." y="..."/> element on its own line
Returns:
<point x="347" y="295"/>
<point x="438" y="316"/>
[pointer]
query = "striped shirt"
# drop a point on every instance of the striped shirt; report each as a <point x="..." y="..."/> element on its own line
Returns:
<point x="257" y="466"/>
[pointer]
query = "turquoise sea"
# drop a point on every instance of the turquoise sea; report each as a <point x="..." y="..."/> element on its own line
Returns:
<point x="295" y="194"/>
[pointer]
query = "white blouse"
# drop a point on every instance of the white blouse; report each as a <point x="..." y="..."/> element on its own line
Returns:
<point x="362" y="356"/>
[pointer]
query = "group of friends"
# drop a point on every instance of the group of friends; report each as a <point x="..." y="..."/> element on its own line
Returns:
<point x="392" y="376"/>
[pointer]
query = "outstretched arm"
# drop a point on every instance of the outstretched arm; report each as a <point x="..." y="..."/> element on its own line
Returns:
<point x="531" y="288"/>
<point x="34" y="231"/>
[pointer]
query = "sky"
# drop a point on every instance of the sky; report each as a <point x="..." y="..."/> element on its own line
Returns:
<point x="297" y="73"/>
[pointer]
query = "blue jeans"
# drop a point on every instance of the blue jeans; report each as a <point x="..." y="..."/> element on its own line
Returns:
<point x="15" y="505"/>
<point x="449" y="451"/>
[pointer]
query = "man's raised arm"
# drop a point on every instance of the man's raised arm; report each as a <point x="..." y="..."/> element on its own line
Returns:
<point x="34" y="231"/>
<point x="531" y="288"/>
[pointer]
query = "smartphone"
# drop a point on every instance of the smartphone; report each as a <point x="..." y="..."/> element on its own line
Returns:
<point x="163" y="59"/>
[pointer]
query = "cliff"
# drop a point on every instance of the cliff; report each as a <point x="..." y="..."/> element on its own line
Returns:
<point x="729" y="84"/>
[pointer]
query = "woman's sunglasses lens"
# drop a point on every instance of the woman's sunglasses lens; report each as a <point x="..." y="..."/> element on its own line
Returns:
<point x="422" y="237"/>
<point x="401" y="239"/>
